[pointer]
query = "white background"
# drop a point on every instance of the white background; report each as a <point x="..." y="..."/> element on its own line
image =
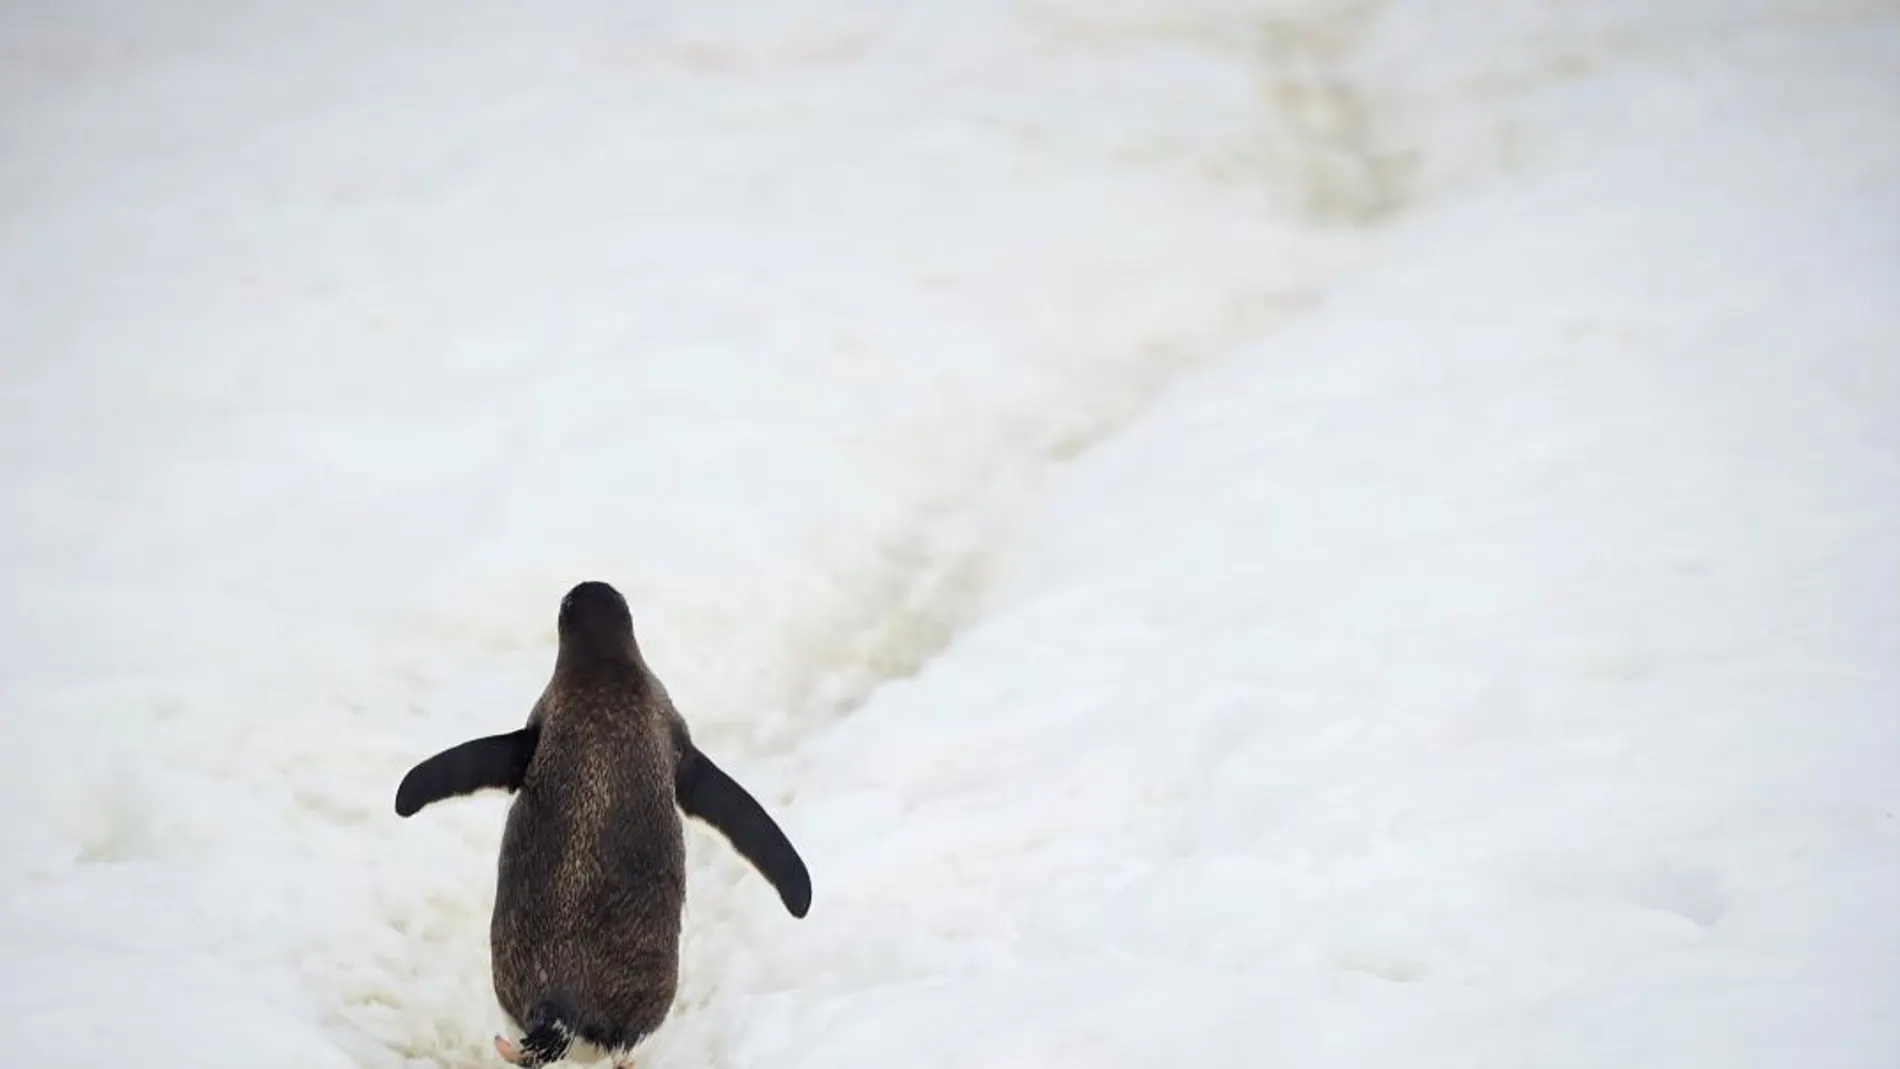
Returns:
<point x="1237" y="533"/>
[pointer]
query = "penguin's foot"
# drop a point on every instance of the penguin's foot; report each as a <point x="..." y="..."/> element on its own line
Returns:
<point x="507" y="1051"/>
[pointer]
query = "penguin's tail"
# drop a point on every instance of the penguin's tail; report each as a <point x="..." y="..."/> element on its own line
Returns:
<point x="548" y="1037"/>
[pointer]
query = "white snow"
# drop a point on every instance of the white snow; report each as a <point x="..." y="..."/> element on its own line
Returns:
<point x="1253" y="532"/>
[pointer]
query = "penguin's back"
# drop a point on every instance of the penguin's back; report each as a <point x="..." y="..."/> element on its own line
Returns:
<point x="591" y="877"/>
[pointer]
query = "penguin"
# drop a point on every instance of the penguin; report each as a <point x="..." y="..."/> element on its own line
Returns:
<point x="591" y="878"/>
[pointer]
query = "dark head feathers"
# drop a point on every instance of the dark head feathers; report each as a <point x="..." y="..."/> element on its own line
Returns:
<point x="595" y="626"/>
<point x="595" y="608"/>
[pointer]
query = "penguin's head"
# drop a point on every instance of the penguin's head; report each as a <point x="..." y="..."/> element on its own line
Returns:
<point x="594" y="616"/>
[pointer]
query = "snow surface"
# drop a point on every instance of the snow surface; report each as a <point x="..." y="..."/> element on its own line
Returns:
<point x="1230" y="533"/>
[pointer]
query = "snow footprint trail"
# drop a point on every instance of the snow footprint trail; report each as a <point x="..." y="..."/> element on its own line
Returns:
<point x="1306" y="149"/>
<point x="732" y="312"/>
<point x="1511" y="682"/>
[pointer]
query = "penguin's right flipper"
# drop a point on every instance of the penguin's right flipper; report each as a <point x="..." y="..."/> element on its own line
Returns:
<point x="496" y="761"/>
<point x="705" y="791"/>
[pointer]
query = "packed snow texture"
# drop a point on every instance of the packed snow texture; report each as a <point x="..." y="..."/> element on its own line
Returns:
<point x="1248" y="532"/>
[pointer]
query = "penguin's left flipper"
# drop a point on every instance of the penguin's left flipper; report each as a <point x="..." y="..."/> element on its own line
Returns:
<point x="705" y="791"/>
<point x="495" y="761"/>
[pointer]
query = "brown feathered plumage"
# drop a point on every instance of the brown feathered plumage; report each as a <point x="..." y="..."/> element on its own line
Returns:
<point x="592" y="873"/>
